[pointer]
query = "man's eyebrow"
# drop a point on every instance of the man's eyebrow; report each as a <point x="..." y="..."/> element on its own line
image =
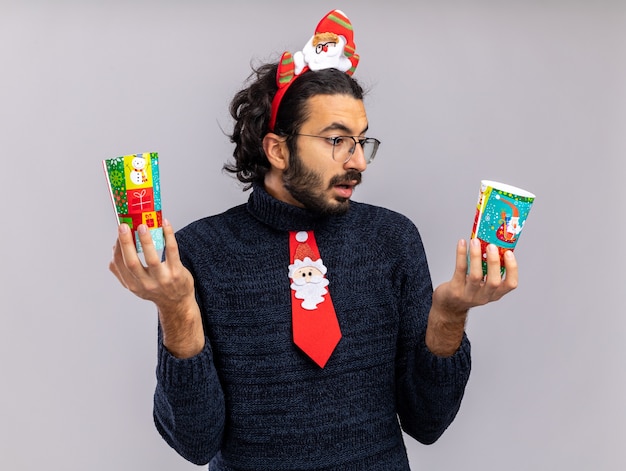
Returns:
<point x="341" y="128"/>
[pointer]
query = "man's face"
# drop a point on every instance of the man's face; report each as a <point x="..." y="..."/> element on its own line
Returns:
<point x="313" y="178"/>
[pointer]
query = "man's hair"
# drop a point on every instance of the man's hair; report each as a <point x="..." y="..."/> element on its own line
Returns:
<point x="250" y="108"/>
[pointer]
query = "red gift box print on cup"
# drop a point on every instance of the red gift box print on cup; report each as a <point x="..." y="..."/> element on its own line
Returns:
<point x="135" y="188"/>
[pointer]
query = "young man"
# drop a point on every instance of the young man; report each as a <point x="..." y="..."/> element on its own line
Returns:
<point x="300" y="331"/>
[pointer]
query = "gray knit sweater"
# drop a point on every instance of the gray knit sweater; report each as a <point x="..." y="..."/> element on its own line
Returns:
<point x="251" y="400"/>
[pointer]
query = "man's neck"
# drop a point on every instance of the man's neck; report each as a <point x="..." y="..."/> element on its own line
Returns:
<point x="274" y="186"/>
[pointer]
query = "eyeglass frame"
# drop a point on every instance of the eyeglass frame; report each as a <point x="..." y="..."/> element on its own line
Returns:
<point x="332" y="140"/>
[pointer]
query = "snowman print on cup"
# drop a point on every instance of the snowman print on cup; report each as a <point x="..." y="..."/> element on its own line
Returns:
<point x="138" y="174"/>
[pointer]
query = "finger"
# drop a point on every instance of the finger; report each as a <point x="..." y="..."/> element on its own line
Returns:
<point x="150" y="253"/>
<point x="460" y="269"/>
<point x="476" y="276"/>
<point x="119" y="276"/>
<point x="117" y="260"/>
<point x="128" y="250"/>
<point x="113" y="264"/>
<point x="509" y="282"/>
<point x="171" y="246"/>
<point x="116" y="256"/>
<point x="118" y="265"/>
<point x="494" y="272"/>
<point x="510" y="263"/>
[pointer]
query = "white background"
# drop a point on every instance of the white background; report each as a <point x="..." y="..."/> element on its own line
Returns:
<point x="532" y="93"/>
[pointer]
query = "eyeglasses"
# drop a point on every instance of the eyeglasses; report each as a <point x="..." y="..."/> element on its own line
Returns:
<point x="345" y="146"/>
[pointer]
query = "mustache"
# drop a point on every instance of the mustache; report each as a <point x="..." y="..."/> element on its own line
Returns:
<point x="349" y="176"/>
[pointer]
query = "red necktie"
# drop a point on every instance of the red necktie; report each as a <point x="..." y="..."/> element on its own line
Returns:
<point x="315" y="326"/>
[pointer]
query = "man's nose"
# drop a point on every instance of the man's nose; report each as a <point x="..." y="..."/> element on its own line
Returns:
<point x="357" y="161"/>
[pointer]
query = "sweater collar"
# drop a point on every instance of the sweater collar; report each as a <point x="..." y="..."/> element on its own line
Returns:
<point x="283" y="216"/>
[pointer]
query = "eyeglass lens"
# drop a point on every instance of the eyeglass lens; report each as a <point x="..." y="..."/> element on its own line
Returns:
<point x="346" y="150"/>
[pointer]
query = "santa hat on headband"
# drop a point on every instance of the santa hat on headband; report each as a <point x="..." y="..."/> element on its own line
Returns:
<point x="292" y="66"/>
<point x="337" y="22"/>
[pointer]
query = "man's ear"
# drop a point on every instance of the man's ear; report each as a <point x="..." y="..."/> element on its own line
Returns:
<point x="276" y="151"/>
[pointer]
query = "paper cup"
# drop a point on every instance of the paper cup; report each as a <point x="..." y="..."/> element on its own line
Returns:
<point x="501" y="215"/>
<point x="135" y="189"/>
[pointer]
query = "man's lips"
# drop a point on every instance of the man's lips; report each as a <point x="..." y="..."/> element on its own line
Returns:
<point x="344" y="185"/>
<point x="345" y="189"/>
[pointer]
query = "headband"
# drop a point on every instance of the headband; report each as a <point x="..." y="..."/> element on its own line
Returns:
<point x="331" y="47"/>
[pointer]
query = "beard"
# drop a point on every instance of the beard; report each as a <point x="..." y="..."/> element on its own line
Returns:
<point x="307" y="187"/>
<point x="311" y="293"/>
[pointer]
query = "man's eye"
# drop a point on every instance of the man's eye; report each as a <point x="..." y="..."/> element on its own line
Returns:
<point x="337" y="141"/>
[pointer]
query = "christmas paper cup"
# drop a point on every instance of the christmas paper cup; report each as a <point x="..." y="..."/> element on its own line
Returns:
<point x="501" y="215"/>
<point x="135" y="188"/>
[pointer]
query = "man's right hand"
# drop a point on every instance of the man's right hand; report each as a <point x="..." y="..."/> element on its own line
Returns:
<point x="166" y="283"/>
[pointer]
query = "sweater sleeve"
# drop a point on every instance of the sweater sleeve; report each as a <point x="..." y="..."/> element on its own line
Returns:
<point x="430" y="391"/>
<point x="189" y="408"/>
<point x="429" y="388"/>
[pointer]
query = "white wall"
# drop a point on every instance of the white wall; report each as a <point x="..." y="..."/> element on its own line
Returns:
<point x="528" y="92"/>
